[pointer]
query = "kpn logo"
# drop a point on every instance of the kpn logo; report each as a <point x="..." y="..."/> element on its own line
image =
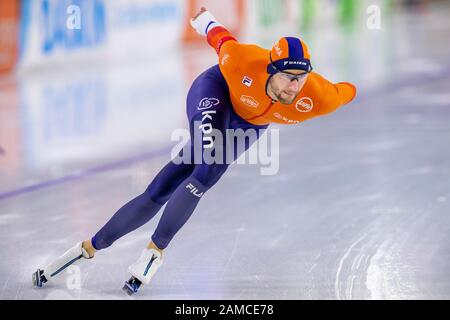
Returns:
<point x="305" y="104"/>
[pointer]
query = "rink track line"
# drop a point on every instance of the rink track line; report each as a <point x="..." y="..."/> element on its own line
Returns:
<point x="377" y="91"/>
<point x="79" y="174"/>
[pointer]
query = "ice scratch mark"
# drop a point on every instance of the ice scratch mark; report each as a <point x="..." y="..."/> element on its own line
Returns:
<point x="239" y="232"/>
<point x="350" y="289"/>
<point x="377" y="273"/>
<point x="7" y="218"/>
<point x="341" y="263"/>
<point x="357" y="262"/>
<point x="4" y="287"/>
<point x="260" y="281"/>
<point x="312" y="268"/>
<point x="315" y="264"/>
<point x="380" y="146"/>
<point x="241" y="293"/>
<point x="18" y="291"/>
<point x="418" y="171"/>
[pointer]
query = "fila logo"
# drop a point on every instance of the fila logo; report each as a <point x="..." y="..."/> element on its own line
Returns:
<point x="247" y="81"/>
<point x="278" y="51"/>
<point x="194" y="190"/>
<point x="250" y="101"/>
<point x="207" y="103"/>
<point x="304" y="105"/>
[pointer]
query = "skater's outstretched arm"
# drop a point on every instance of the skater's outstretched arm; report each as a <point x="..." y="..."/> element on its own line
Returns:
<point x="335" y="96"/>
<point x="217" y="35"/>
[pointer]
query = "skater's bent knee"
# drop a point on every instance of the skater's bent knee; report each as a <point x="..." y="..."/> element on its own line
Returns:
<point x="99" y="243"/>
<point x="208" y="175"/>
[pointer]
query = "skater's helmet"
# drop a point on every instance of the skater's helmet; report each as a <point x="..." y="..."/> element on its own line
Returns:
<point x="287" y="54"/>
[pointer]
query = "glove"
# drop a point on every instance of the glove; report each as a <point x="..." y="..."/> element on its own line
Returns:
<point x="204" y="22"/>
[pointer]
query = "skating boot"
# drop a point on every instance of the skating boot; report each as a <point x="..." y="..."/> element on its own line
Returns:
<point x="41" y="276"/>
<point x="143" y="270"/>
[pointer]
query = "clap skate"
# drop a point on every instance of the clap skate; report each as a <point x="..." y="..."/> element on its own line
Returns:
<point x="41" y="276"/>
<point x="143" y="270"/>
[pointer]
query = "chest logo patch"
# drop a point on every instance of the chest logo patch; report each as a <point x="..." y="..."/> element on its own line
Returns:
<point x="247" y="81"/>
<point x="250" y="101"/>
<point x="283" y="118"/>
<point x="305" y="104"/>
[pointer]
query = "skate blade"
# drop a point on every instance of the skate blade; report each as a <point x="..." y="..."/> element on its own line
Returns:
<point x="37" y="279"/>
<point x="128" y="289"/>
<point x="132" y="286"/>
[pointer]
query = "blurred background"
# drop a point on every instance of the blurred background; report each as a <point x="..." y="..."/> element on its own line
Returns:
<point x="91" y="90"/>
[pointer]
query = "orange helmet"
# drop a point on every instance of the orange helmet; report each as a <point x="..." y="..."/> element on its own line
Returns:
<point x="289" y="53"/>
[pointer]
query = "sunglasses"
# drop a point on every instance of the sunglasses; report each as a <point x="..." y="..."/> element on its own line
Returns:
<point x="291" y="77"/>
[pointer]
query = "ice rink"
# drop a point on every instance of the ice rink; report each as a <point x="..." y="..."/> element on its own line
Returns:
<point x="360" y="207"/>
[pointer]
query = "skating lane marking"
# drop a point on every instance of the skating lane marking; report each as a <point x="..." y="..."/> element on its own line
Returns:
<point x="79" y="174"/>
